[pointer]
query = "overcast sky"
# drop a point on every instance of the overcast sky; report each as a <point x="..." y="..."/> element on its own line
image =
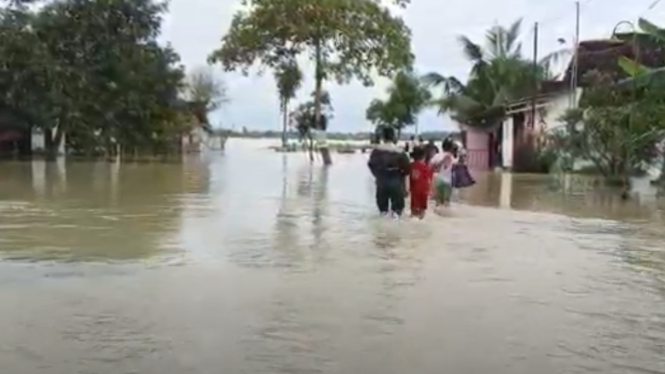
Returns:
<point x="195" y="28"/>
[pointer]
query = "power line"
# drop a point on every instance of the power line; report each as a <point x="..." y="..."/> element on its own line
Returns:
<point x="653" y="5"/>
<point x="570" y="11"/>
<point x="561" y="15"/>
<point x="565" y="14"/>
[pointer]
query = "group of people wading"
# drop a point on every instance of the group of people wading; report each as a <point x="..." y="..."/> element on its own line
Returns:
<point x="419" y="171"/>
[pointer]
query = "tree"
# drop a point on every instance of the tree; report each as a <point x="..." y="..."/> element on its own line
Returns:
<point x="345" y="39"/>
<point x="643" y="77"/>
<point x="91" y="71"/>
<point x="407" y="97"/>
<point x="305" y="121"/>
<point x="204" y="87"/>
<point x="616" y="128"/>
<point x="289" y="79"/>
<point x="498" y="75"/>
<point x="205" y="93"/>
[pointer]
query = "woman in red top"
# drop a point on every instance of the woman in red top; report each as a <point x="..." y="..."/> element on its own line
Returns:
<point x="419" y="183"/>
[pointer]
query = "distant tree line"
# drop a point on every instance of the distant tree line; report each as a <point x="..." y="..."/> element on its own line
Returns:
<point x="355" y="136"/>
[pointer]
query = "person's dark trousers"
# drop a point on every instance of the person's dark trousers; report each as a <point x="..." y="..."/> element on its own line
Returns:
<point x="390" y="196"/>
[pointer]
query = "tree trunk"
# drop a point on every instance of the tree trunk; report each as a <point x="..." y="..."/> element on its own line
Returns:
<point x="285" y="120"/>
<point x="52" y="140"/>
<point x="310" y="147"/>
<point x="661" y="177"/>
<point x="318" y="88"/>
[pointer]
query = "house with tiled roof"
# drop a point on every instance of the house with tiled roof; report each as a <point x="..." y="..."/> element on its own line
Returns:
<point x="508" y="145"/>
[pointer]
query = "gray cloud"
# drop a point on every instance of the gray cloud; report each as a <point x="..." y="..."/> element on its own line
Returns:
<point x="195" y="27"/>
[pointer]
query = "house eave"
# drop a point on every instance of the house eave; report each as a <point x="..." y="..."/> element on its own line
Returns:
<point x="527" y="104"/>
<point x="525" y="107"/>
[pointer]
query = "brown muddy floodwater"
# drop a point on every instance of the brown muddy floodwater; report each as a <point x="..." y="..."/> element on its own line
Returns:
<point x="255" y="262"/>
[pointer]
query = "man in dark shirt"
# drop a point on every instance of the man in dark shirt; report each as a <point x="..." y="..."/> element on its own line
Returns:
<point x="390" y="167"/>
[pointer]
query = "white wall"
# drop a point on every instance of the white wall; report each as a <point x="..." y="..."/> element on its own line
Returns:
<point x="555" y="108"/>
<point x="507" y="143"/>
<point x="37" y="140"/>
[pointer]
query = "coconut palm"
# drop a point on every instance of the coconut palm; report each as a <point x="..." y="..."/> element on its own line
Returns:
<point x="289" y="79"/>
<point x="498" y="75"/>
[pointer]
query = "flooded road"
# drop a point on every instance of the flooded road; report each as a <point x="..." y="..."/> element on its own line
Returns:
<point x="255" y="262"/>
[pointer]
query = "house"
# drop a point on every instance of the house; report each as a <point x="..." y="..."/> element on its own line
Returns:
<point x="519" y="131"/>
<point x="510" y="144"/>
<point x="501" y="145"/>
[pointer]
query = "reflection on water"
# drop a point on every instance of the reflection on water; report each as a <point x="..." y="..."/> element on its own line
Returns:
<point x="256" y="262"/>
<point x="571" y="195"/>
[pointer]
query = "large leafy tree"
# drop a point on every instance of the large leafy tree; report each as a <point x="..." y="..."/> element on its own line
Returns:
<point x="499" y="74"/>
<point x="91" y="70"/>
<point x="345" y="39"/>
<point x="407" y="97"/>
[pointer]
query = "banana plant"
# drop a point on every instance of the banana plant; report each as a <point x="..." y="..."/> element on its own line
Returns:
<point x="640" y="73"/>
<point x="643" y="76"/>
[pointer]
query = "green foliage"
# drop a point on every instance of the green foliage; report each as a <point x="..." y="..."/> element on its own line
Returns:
<point x="407" y="97"/>
<point x="631" y="67"/>
<point x="616" y="129"/>
<point x="303" y="117"/>
<point x="640" y="74"/>
<point x="356" y="37"/>
<point x="499" y="74"/>
<point x="346" y="39"/>
<point x="93" y="70"/>
<point x="619" y="128"/>
<point x="289" y="79"/>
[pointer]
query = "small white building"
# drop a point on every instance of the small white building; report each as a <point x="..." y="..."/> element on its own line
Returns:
<point x="519" y="129"/>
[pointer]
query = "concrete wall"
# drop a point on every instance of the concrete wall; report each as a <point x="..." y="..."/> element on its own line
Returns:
<point x="477" y="148"/>
<point x="547" y="119"/>
<point x="507" y="143"/>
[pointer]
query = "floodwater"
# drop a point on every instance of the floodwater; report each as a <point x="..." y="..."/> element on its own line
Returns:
<point x="255" y="262"/>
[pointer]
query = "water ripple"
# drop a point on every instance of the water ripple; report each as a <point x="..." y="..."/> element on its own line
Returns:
<point x="285" y="268"/>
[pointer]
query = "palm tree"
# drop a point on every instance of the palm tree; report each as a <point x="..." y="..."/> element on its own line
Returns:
<point x="498" y="75"/>
<point x="289" y="79"/>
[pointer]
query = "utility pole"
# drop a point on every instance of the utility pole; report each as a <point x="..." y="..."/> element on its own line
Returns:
<point x="575" y="65"/>
<point x="534" y="100"/>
